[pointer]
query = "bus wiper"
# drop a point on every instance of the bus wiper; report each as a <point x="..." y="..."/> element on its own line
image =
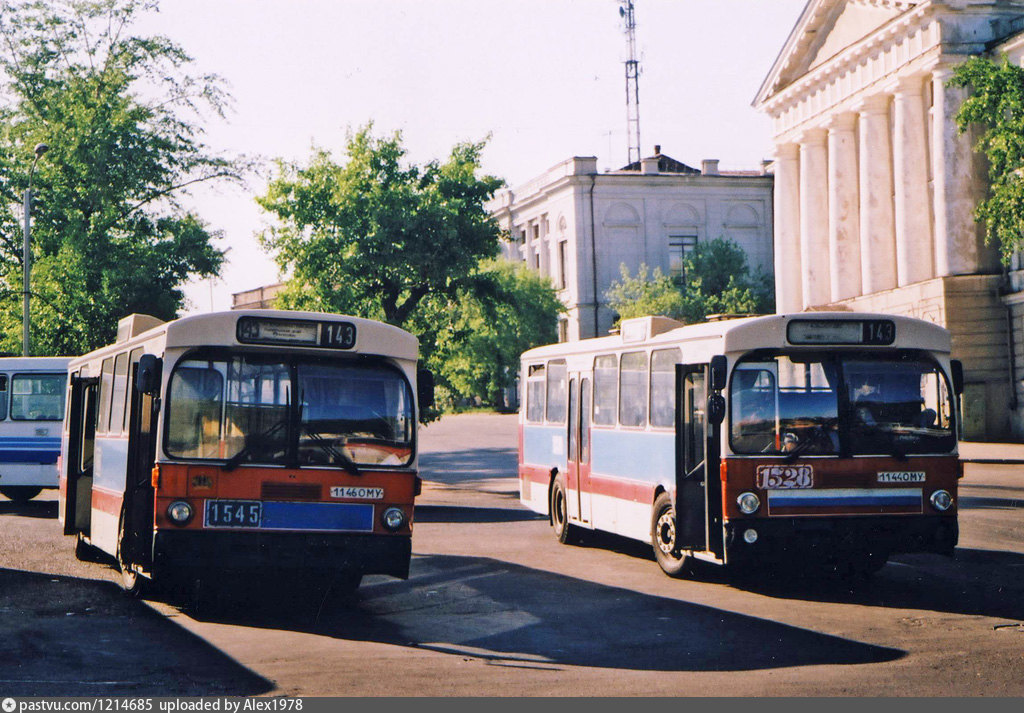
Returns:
<point x="252" y="443"/>
<point x="333" y="453"/>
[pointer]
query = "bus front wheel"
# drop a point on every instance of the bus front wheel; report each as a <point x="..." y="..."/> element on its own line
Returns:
<point x="670" y="558"/>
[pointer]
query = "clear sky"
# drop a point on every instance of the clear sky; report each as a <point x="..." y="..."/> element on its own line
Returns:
<point x="543" y="78"/>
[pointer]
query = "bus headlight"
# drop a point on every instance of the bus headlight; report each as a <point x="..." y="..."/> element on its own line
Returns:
<point x="393" y="518"/>
<point x="180" y="512"/>
<point x="941" y="500"/>
<point x="749" y="503"/>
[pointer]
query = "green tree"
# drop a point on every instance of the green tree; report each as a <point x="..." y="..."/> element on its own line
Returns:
<point x="717" y="280"/>
<point x="374" y="236"/>
<point x="120" y="114"/>
<point x="509" y="310"/>
<point x="996" y="104"/>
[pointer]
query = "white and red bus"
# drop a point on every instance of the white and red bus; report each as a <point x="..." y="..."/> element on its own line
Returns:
<point x="814" y="437"/>
<point x="245" y="443"/>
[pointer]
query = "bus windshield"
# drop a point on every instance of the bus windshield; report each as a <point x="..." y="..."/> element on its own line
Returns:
<point x="242" y="408"/>
<point x="840" y="404"/>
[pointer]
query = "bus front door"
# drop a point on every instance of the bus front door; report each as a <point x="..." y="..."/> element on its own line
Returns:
<point x="139" y="494"/>
<point x="81" y="442"/>
<point x="698" y="489"/>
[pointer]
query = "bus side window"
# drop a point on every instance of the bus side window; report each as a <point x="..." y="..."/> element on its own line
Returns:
<point x="120" y="390"/>
<point x="106" y="389"/>
<point x="535" y="393"/>
<point x="557" y="388"/>
<point x="633" y="389"/>
<point x="606" y="390"/>
<point x="663" y="387"/>
<point x="3" y="396"/>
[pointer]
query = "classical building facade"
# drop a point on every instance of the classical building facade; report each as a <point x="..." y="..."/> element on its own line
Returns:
<point x="875" y="188"/>
<point x="578" y="226"/>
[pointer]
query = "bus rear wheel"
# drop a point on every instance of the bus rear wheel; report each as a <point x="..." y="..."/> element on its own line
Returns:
<point x="565" y="532"/>
<point x="20" y="494"/>
<point x="671" y="559"/>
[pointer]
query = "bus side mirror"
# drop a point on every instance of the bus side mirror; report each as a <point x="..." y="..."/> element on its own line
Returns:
<point x="716" y="409"/>
<point x="425" y="388"/>
<point x="147" y="374"/>
<point x="719" y="372"/>
<point x="958" y="375"/>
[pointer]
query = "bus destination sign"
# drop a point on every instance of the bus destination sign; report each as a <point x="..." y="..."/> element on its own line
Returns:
<point x="878" y="332"/>
<point x="293" y="332"/>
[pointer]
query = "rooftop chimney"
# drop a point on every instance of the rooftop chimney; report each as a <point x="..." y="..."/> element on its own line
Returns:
<point x="709" y="167"/>
<point x="657" y="149"/>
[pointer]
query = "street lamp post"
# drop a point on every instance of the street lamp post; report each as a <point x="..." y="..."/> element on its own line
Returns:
<point x="26" y="256"/>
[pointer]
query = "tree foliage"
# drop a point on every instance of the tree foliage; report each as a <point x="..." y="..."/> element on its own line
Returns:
<point x="121" y="115"/>
<point x="374" y="236"/>
<point x="996" y="103"/>
<point x="413" y="246"/>
<point x="485" y="329"/>
<point x="717" y="280"/>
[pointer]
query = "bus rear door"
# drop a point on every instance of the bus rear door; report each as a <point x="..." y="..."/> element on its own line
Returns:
<point x="578" y="464"/>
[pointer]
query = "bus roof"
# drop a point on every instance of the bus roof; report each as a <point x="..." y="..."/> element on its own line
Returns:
<point x="221" y="329"/>
<point x="747" y="333"/>
<point x="21" y="363"/>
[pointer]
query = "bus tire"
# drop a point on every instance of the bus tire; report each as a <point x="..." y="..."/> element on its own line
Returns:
<point x="559" y="509"/>
<point x="672" y="561"/>
<point x="132" y="582"/>
<point x="20" y="494"/>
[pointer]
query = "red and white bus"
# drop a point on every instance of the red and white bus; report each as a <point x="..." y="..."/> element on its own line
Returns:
<point x="826" y="437"/>
<point x="242" y="443"/>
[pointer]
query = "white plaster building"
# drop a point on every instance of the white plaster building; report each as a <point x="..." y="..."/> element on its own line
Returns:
<point x="577" y="226"/>
<point x="875" y="189"/>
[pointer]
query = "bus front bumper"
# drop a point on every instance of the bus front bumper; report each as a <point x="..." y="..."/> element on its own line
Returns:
<point x="203" y="551"/>
<point x="822" y="538"/>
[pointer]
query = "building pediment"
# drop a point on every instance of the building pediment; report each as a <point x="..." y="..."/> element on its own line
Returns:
<point x="826" y="28"/>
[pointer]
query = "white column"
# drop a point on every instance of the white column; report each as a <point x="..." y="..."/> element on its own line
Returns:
<point x="843" y="209"/>
<point x="958" y="238"/>
<point x="817" y="288"/>
<point x="788" y="288"/>
<point x="914" y="261"/>
<point x="877" y="239"/>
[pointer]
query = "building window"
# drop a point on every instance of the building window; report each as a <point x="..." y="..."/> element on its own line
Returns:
<point x="563" y="248"/>
<point x="563" y="330"/>
<point x="679" y="246"/>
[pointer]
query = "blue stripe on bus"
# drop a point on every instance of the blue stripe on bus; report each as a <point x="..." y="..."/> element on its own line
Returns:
<point x="317" y="516"/>
<point x="544" y="445"/>
<point x="844" y="497"/>
<point x="648" y="456"/>
<point x="29" y="450"/>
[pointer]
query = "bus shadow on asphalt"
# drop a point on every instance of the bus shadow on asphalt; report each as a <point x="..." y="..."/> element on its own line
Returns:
<point x="65" y="636"/>
<point x="463" y="514"/>
<point x="508" y="615"/>
<point x="44" y="509"/>
<point x="975" y="583"/>
<point x="470" y="464"/>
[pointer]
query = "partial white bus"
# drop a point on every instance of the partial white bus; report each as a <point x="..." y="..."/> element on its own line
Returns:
<point x="31" y="410"/>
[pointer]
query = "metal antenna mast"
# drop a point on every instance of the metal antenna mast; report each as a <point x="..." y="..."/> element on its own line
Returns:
<point x="632" y="84"/>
